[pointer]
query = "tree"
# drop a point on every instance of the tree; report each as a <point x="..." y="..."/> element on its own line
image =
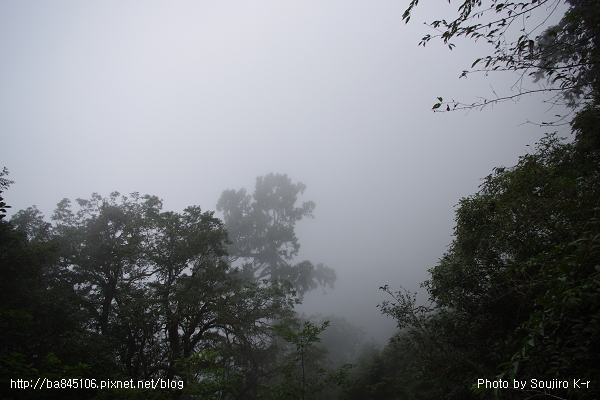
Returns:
<point x="341" y="339"/>
<point x="261" y="228"/>
<point x="4" y="184"/>
<point x="517" y="295"/>
<point x="102" y="251"/>
<point x="203" y="304"/>
<point x="304" y="373"/>
<point x="42" y="332"/>
<point x="565" y="55"/>
<point x="154" y="288"/>
<point x="388" y="373"/>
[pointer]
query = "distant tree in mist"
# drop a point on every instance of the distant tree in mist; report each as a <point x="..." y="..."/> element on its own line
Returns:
<point x="261" y="228"/>
<point x="341" y="339"/>
<point x="304" y="370"/>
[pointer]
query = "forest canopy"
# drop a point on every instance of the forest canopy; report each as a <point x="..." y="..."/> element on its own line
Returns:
<point x="116" y="289"/>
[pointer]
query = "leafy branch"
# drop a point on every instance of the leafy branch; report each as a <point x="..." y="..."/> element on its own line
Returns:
<point x="565" y="55"/>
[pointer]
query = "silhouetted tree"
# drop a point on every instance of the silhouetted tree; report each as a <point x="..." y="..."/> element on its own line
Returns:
<point x="261" y="228"/>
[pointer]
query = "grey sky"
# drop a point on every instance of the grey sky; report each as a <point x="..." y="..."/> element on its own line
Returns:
<point x="186" y="99"/>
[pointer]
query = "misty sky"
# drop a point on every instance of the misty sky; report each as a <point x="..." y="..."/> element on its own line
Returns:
<point x="185" y="99"/>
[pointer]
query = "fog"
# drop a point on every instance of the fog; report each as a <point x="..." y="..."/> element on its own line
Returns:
<point x="186" y="99"/>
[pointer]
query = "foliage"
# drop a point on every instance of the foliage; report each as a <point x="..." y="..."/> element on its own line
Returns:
<point x="388" y="374"/>
<point x="16" y="367"/>
<point x="261" y="228"/>
<point x="41" y="331"/>
<point x="207" y="374"/>
<point x="341" y="339"/>
<point x="517" y="293"/>
<point x="448" y="349"/>
<point x="565" y="55"/>
<point x="101" y="252"/>
<point x="4" y="184"/>
<point x="304" y="373"/>
<point x="144" y="294"/>
<point x="562" y="333"/>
